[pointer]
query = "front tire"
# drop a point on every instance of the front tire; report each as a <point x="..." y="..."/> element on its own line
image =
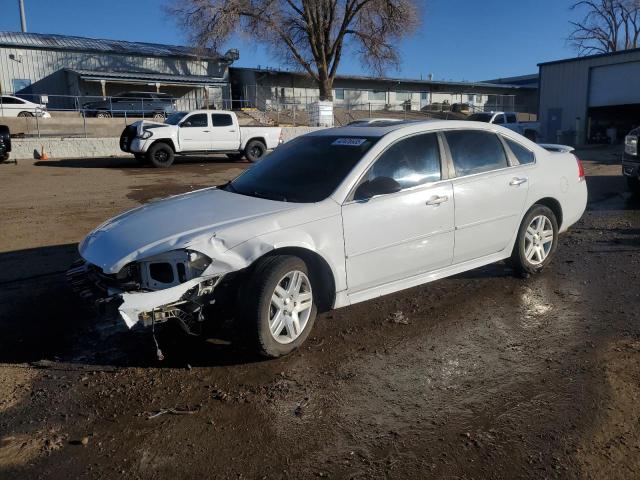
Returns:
<point x="103" y="114"/>
<point x="160" y="155"/>
<point x="634" y="185"/>
<point x="159" y="116"/>
<point x="280" y="309"/>
<point x="537" y="241"/>
<point x="255" y="150"/>
<point x="25" y="114"/>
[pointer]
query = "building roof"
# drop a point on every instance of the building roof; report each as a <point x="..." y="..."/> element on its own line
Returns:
<point x="145" y="78"/>
<point x="531" y="79"/>
<point x="395" y="80"/>
<point x="589" y="57"/>
<point x="65" y="42"/>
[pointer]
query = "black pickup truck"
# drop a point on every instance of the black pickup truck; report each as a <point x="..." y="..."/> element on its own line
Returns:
<point x="5" y="143"/>
<point x="631" y="161"/>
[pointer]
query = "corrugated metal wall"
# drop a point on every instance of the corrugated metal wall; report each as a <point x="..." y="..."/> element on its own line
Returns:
<point x="44" y="68"/>
<point x="564" y="93"/>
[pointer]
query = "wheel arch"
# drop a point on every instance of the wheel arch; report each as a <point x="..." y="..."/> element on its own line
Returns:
<point x="167" y="141"/>
<point x="553" y="205"/>
<point x="259" y="139"/>
<point x="319" y="269"/>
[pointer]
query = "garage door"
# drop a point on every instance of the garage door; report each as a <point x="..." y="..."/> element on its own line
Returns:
<point x="615" y="85"/>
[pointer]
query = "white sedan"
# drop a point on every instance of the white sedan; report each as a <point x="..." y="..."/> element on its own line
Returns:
<point x="336" y="217"/>
<point x="11" y="106"/>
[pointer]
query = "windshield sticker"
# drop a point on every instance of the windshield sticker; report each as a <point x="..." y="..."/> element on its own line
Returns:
<point x="349" y="142"/>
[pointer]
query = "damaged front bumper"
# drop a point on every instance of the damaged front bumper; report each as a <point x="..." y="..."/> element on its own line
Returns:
<point x="183" y="302"/>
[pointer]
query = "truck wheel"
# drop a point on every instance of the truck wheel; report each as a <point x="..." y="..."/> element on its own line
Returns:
<point x="160" y="155"/>
<point x="537" y="241"/>
<point x="159" y="116"/>
<point x="634" y="185"/>
<point x="254" y="150"/>
<point x="236" y="157"/>
<point x="103" y="114"/>
<point x="25" y="114"/>
<point x="280" y="308"/>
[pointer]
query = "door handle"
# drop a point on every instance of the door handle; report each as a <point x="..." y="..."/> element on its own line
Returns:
<point x="436" y="200"/>
<point x="515" y="182"/>
<point x="206" y="131"/>
<point x="232" y="131"/>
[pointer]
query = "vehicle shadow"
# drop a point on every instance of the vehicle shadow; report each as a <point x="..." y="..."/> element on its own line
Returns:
<point x="610" y="192"/>
<point x="43" y="320"/>
<point x="130" y="163"/>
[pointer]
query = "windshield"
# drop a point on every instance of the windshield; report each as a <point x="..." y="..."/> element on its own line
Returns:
<point x="175" y="118"/>
<point x="481" y="117"/>
<point x="306" y="169"/>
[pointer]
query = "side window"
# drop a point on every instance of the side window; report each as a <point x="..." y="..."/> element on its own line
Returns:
<point x="197" y="120"/>
<point x="523" y="155"/>
<point x="475" y="151"/>
<point x="221" y="120"/>
<point x="499" y="120"/>
<point x="10" y="101"/>
<point x="511" y="118"/>
<point x="410" y="162"/>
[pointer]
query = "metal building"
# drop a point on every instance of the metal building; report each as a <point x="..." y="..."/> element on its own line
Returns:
<point x="592" y="99"/>
<point x="262" y="88"/>
<point x="62" y="67"/>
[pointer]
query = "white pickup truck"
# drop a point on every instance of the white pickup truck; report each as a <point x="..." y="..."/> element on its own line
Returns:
<point x="197" y="132"/>
<point x="509" y="120"/>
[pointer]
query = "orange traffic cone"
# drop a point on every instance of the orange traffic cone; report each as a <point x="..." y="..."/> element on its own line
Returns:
<point x="43" y="154"/>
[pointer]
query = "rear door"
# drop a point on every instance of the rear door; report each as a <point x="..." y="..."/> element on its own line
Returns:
<point x="398" y="235"/>
<point x="489" y="193"/>
<point x="225" y="134"/>
<point x="195" y="133"/>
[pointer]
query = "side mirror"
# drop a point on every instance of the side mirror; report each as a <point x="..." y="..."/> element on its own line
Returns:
<point x="377" y="186"/>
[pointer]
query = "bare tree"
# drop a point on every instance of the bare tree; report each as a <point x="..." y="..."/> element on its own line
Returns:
<point x="310" y="34"/>
<point x="608" y="26"/>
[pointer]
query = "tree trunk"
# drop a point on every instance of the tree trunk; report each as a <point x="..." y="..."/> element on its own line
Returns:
<point x="326" y="88"/>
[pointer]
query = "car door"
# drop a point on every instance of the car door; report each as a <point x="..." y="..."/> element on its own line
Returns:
<point x="225" y="136"/>
<point x="195" y="133"/>
<point x="489" y="193"/>
<point x="398" y="235"/>
<point x="11" y="107"/>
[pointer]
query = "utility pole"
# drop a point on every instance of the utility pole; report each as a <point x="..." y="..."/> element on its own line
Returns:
<point x="23" y="18"/>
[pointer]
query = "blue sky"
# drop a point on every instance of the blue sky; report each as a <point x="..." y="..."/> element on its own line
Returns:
<point x="458" y="40"/>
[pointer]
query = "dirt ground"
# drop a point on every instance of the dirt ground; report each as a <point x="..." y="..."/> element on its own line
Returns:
<point x="486" y="376"/>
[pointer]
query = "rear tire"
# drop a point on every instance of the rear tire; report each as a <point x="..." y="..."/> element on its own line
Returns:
<point x="537" y="241"/>
<point x="160" y="155"/>
<point x="280" y="309"/>
<point x="236" y="157"/>
<point x="634" y="185"/>
<point x="159" y="116"/>
<point x="255" y="150"/>
<point x="103" y="114"/>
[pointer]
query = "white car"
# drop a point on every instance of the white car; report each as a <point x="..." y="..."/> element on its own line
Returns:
<point x="11" y="106"/>
<point x="197" y="132"/>
<point x="334" y="218"/>
<point x="509" y="120"/>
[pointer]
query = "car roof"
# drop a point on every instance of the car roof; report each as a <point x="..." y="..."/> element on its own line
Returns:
<point x="372" y="129"/>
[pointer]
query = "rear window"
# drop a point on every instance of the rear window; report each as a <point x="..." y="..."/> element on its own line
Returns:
<point x="474" y="151"/>
<point x="523" y="154"/>
<point x="221" y="120"/>
<point x="306" y="169"/>
<point x="480" y="117"/>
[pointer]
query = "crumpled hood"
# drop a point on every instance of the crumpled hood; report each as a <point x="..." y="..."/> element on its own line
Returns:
<point x="171" y="224"/>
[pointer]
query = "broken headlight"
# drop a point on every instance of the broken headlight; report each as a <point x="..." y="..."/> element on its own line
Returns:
<point x="172" y="268"/>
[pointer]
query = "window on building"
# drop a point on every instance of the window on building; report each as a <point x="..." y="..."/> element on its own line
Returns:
<point x="197" y="120"/>
<point x="523" y="155"/>
<point x="475" y="151"/>
<point x="379" y="95"/>
<point x="338" y="94"/>
<point x="424" y="95"/>
<point x="403" y="96"/>
<point x="221" y="120"/>
<point x="19" y="84"/>
<point x="410" y="162"/>
<point x="471" y="98"/>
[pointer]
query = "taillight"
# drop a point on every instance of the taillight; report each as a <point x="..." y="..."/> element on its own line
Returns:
<point x="580" y="168"/>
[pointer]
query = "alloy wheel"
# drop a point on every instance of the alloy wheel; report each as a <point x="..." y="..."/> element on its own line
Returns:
<point x="290" y="307"/>
<point x="538" y="240"/>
